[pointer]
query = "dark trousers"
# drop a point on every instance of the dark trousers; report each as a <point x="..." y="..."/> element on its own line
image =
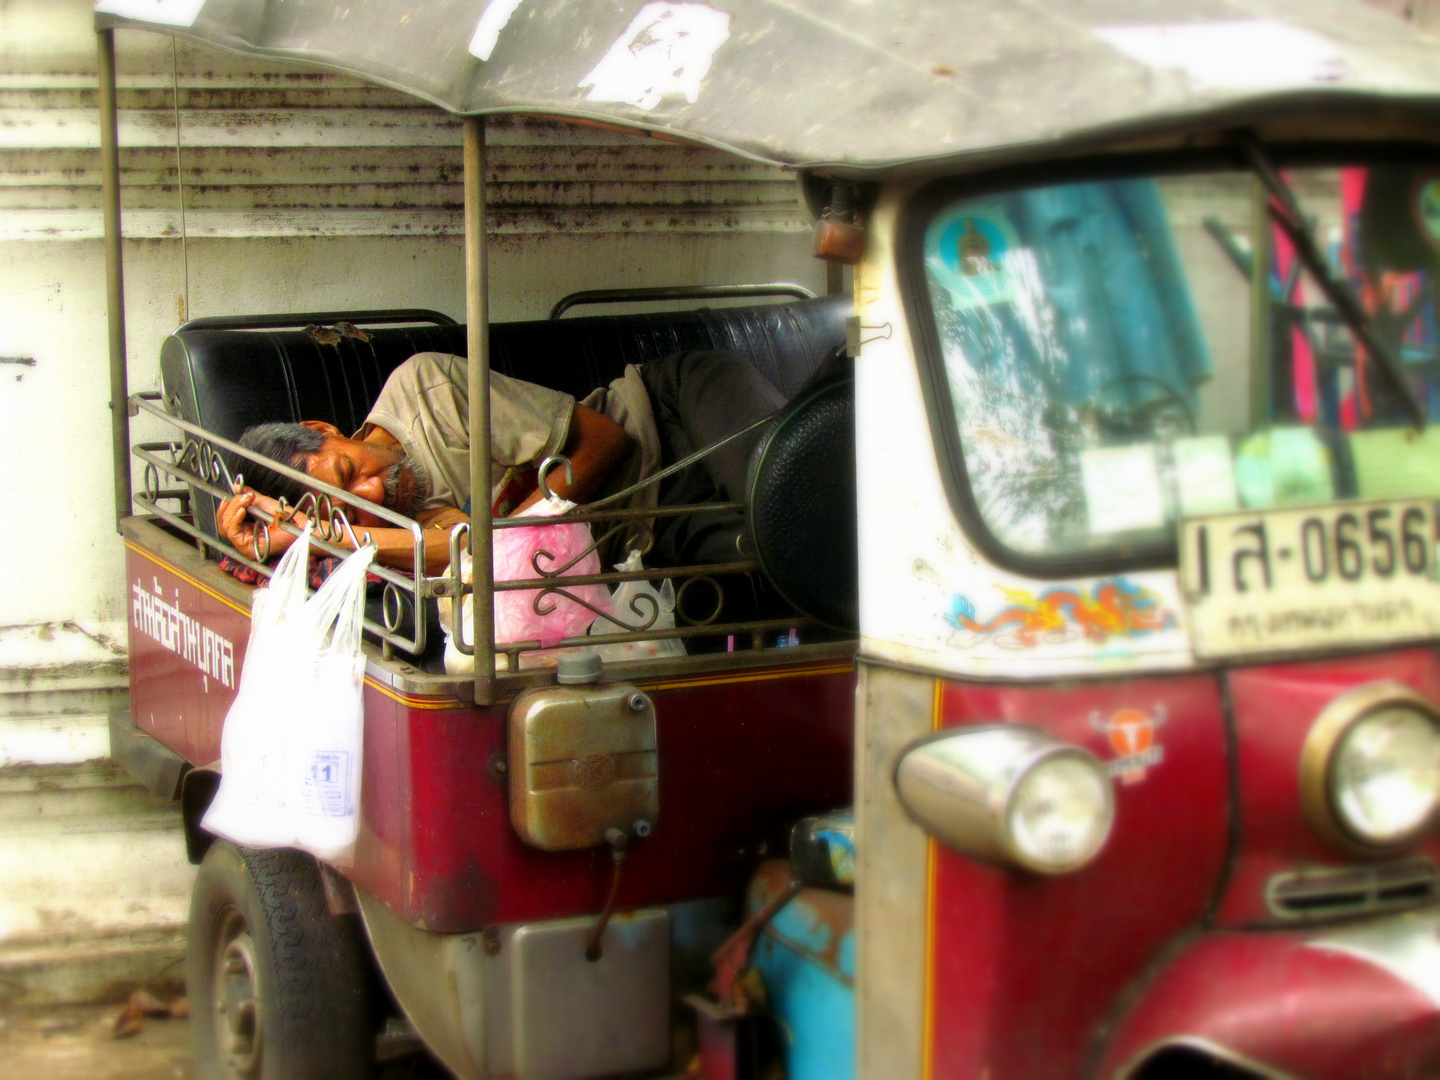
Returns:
<point x="698" y="399"/>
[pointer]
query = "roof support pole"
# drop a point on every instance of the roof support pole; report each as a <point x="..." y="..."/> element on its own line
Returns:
<point x="477" y="324"/>
<point x="114" y="274"/>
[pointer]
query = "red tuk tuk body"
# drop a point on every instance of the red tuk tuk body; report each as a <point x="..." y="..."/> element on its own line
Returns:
<point x="742" y="755"/>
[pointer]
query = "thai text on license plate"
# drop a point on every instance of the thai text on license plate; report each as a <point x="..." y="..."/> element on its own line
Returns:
<point x="1314" y="577"/>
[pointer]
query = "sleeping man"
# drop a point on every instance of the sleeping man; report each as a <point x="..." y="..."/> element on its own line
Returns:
<point x="412" y="453"/>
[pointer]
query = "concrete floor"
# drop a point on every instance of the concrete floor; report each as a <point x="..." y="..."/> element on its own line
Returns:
<point x="74" y="1043"/>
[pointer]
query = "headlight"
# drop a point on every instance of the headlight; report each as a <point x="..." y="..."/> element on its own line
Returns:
<point x="1370" y="769"/>
<point x="1010" y="794"/>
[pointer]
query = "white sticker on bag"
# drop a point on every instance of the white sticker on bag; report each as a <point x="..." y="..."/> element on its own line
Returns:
<point x="666" y="49"/>
<point x="165" y="12"/>
<point x="327" y="784"/>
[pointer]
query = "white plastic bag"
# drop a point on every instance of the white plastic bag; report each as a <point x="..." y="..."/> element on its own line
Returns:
<point x="634" y="602"/>
<point x="290" y="751"/>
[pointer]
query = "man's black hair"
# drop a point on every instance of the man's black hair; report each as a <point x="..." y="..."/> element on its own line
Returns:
<point x="287" y="443"/>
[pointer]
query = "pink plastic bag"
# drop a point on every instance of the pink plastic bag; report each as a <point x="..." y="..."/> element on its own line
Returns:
<point x="516" y="559"/>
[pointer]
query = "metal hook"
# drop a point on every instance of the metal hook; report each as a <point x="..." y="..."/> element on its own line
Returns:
<point x="548" y="464"/>
<point x="391" y="607"/>
<point x="343" y="526"/>
<point x="309" y="505"/>
<point x="222" y="472"/>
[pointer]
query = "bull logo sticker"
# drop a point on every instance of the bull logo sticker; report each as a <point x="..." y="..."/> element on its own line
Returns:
<point x="1132" y="736"/>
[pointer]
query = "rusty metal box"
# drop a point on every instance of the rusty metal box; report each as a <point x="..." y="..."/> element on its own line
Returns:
<point x="582" y="759"/>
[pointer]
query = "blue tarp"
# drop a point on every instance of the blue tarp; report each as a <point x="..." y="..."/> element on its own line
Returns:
<point x="1077" y="287"/>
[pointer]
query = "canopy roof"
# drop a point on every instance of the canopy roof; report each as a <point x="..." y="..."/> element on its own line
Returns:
<point x="863" y="84"/>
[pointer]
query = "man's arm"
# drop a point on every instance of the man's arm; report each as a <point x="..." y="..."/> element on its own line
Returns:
<point x="596" y="446"/>
<point x="394" y="547"/>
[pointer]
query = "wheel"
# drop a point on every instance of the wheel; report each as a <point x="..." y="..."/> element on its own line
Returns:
<point x="279" y="988"/>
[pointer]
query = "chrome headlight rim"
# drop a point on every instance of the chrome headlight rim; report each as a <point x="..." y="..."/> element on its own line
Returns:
<point x="1007" y="831"/>
<point x="983" y="830"/>
<point x="1318" y="756"/>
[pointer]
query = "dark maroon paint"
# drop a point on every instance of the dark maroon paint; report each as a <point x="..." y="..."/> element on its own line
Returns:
<point x="171" y="699"/>
<point x="738" y="762"/>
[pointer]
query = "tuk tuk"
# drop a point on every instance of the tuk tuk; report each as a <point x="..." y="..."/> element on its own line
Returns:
<point x="1071" y="703"/>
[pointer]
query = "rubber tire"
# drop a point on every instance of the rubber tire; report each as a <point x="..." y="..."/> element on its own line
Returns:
<point x="312" y="982"/>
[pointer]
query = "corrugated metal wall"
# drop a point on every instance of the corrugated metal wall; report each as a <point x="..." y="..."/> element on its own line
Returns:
<point x="300" y="192"/>
<point x="285" y="153"/>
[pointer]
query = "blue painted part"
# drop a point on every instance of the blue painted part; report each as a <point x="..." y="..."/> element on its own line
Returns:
<point x="797" y="923"/>
<point x="814" y="1002"/>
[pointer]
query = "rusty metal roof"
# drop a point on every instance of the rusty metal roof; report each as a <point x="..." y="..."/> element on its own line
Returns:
<point x="868" y="84"/>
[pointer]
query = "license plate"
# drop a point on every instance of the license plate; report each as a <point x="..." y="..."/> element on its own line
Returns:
<point x="1309" y="578"/>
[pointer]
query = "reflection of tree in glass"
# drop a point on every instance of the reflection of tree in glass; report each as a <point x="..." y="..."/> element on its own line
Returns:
<point x="1018" y="439"/>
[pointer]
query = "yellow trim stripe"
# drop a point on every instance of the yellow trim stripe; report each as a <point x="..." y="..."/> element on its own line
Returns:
<point x="927" y="1070"/>
<point x="670" y="684"/>
<point x="431" y="703"/>
<point x="172" y="568"/>
<point x="739" y="677"/>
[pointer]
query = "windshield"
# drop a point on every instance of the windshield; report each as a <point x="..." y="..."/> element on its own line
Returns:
<point x="1110" y="363"/>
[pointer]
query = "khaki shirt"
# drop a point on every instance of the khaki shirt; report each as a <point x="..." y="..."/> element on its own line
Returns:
<point x="425" y="404"/>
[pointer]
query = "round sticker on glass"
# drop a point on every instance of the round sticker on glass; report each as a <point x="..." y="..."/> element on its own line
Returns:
<point x="965" y="251"/>
<point x="1427" y="208"/>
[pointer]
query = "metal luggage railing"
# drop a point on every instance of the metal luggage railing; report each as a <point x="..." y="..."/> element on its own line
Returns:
<point x="197" y="461"/>
<point x="656" y="293"/>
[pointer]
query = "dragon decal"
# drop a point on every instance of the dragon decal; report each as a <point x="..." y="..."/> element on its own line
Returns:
<point x="1115" y="607"/>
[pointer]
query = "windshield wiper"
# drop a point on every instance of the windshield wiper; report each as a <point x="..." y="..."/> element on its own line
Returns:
<point x="1284" y="210"/>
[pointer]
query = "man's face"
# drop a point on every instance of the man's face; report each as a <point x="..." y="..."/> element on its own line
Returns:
<point x="372" y="471"/>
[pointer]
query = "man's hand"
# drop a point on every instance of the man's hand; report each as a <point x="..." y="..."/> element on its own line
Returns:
<point x="238" y="528"/>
